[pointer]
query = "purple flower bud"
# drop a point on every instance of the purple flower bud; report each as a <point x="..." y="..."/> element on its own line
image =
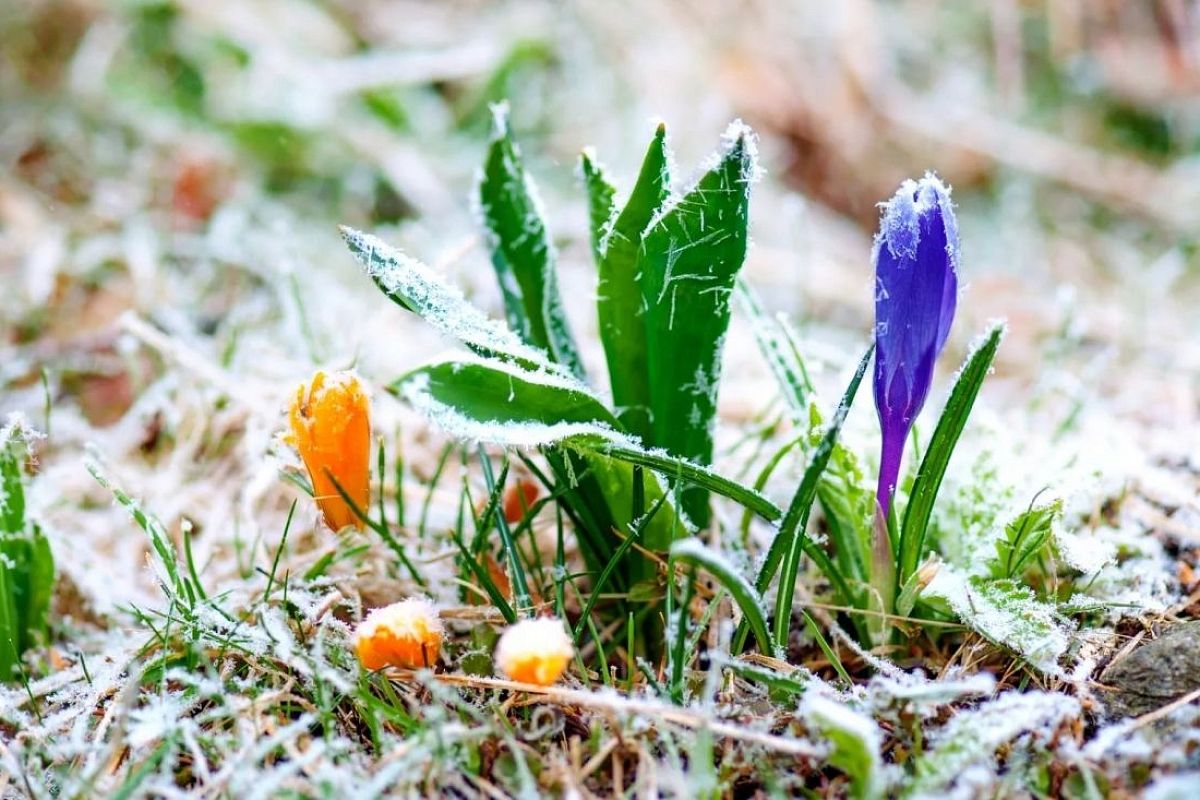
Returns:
<point x="916" y="289"/>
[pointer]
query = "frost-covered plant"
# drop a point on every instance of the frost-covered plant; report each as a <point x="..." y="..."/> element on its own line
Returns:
<point x="330" y="426"/>
<point x="667" y="265"/>
<point x="26" y="563"/>
<point x="877" y="540"/>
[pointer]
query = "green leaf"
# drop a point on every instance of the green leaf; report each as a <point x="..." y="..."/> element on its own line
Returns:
<point x="417" y="288"/>
<point x="693" y="551"/>
<point x="26" y="562"/>
<point x="619" y="302"/>
<point x="689" y="259"/>
<point x="10" y="633"/>
<point x="1006" y="613"/>
<point x="941" y="447"/>
<point x="522" y="253"/>
<point x="498" y="402"/>
<point x="601" y="199"/>
<point x="857" y="743"/>
<point x="788" y="545"/>
<point x="1025" y="538"/>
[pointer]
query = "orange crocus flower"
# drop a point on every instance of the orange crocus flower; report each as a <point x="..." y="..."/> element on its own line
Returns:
<point x="331" y="429"/>
<point x="407" y="634"/>
<point x="535" y="651"/>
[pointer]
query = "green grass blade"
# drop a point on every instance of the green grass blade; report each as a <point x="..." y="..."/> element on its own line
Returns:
<point x="689" y="259"/>
<point x="778" y="350"/>
<point x="941" y="447"/>
<point x="788" y="545"/>
<point x="521" y="596"/>
<point x="773" y="680"/>
<point x="682" y="469"/>
<point x="693" y="551"/>
<point x="522" y="253"/>
<point x="602" y="581"/>
<point x="601" y="196"/>
<point x="619" y="295"/>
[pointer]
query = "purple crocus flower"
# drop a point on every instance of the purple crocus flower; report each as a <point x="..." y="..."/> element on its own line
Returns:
<point x="916" y="289"/>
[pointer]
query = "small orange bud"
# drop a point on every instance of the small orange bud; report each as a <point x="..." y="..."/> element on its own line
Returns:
<point x="407" y="634"/>
<point x="331" y="428"/>
<point x="535" y="651"/>
<point x="518" y="499"/>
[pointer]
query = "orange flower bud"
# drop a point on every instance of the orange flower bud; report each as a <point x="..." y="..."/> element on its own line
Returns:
<point x="407" y="634"/>
<point x="535" y="651"/>
<point x="518" y="499"/>
<point x="331" y="428"/>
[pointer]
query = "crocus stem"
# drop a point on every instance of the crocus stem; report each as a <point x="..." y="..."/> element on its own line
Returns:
<point x="891" y="455"/>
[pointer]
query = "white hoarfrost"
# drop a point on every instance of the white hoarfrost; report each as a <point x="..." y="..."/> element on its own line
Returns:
<point x="961" y="760"/>
<point x="1007" y="614"/>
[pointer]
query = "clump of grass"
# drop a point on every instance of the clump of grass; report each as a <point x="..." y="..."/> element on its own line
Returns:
<point x="26" y="563"/>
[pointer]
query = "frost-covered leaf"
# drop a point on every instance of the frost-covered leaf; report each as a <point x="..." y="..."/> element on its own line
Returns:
<point x="857" y="743"/>
<point x="494" y="401"/>
<point x="501" y="403"/>
<point x="690" y="256"/>
<point x="1006" y="613"/>
<point x="1024" y="539"/>
<point x="962" y="759"/>
<point x="417" y="288"/>
<point x="522" y="254"/>
<point x="619" y="304"/>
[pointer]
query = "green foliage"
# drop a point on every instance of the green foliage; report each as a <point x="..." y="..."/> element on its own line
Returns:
<point x="619" y="302"/>
<point x="526" y="386"/>
<point x="26" y="563"/>
<point x="856" y="742"/>
<point x="1025" y="538"/>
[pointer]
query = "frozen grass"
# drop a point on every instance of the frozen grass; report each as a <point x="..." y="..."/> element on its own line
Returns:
<point x="172" y="269"/>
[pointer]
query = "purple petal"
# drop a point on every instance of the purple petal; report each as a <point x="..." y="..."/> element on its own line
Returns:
<point x="916" y="261"/>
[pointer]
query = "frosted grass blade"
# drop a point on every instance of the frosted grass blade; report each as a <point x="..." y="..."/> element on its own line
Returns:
<point x="941" y="447"/>
<point x="789" y="543"/>
<point x="774" y="341"/>
<point x="693" y="551"/>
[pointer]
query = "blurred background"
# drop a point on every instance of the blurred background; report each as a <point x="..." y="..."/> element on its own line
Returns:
<point x="172" y="175"/>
